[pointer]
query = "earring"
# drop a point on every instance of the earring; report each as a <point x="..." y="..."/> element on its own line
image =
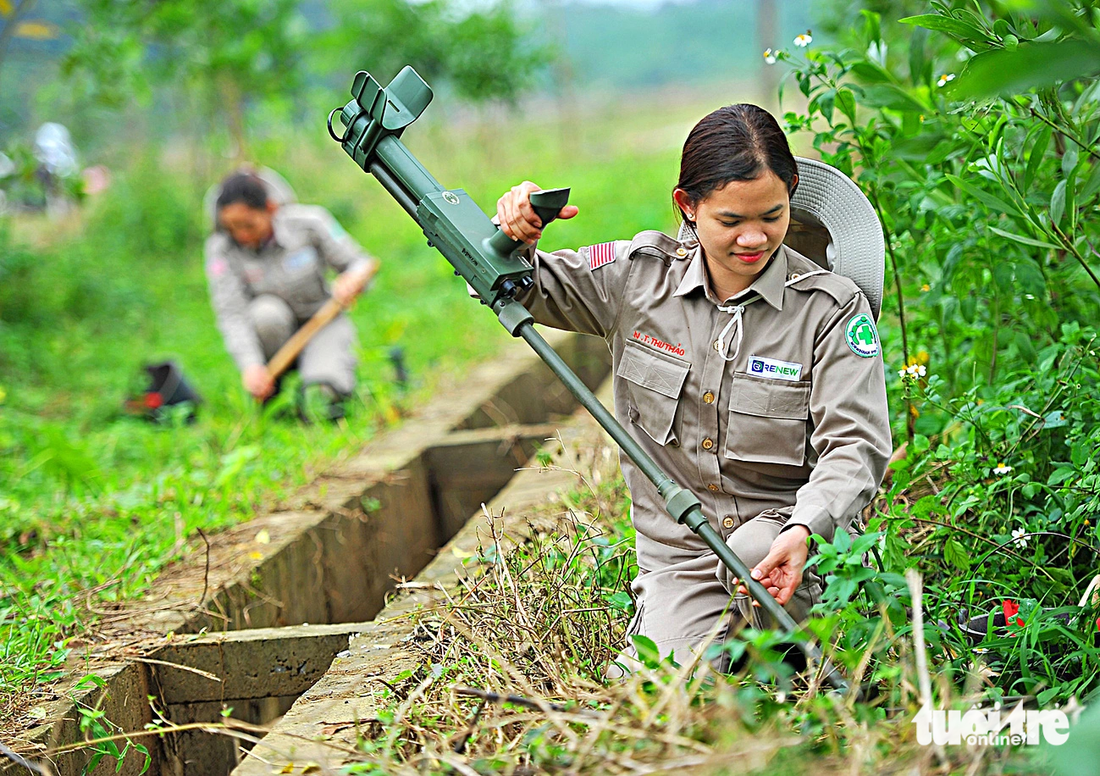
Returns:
<point x="691" y="216"/>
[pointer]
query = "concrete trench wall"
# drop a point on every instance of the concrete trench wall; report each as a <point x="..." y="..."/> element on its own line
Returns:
<point x="324" y="723"/>
<point x="328" y="560"/>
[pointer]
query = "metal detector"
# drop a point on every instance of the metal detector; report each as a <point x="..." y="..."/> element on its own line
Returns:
<point x="493" y="264"/>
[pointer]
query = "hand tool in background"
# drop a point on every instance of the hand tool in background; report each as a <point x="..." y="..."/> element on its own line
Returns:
<point x="290" y="350"/>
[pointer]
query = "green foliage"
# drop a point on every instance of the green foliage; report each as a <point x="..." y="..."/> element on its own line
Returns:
<point x="1014" y="514"/>
<point x="984" y="204"/>
<point x="987" y="181"/>
<point x="229" y="49"/>
<point x="241" y="59"/>
<point x="101" y="733"/>
<point x="524" y="613"/>
<point x="483" y="53"/>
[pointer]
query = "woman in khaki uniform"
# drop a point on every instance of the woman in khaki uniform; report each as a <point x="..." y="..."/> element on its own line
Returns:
<point x="749" y="373"/>
<point x="266" y="266"/>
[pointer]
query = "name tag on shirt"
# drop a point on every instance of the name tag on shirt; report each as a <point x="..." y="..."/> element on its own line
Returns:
<point x="775" y="370"/>
<point x="300" y="260"/>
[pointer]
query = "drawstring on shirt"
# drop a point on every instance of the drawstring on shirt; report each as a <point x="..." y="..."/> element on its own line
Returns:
<point x="736" y="311"/>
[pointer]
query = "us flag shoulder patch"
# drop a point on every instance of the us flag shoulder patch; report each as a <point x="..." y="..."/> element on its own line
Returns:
<point x="601" y="254"/>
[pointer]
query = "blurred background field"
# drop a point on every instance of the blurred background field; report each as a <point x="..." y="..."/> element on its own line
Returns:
<point x="93" y="503"/>
<point x="973" y="129"/>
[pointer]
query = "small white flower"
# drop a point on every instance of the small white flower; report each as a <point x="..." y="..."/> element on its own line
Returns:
<point x="945" y="79"/>
<point x="1001" y="469"/>
<point x="804" y="40"/>
<point x="769" y="56"/>
<point x="876" y="52"/>
<point x="904" y="372"/>
<point x="1019" y="537"/>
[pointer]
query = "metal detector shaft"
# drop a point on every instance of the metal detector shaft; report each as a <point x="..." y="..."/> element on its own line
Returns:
<point x="495" y="268"/>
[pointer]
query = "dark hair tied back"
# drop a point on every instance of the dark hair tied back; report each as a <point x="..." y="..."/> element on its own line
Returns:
<point x="734" y="143"/>
<point x="242" y="187"/>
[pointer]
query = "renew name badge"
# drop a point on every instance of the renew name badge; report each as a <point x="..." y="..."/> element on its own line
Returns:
<point x="775" y="370"/>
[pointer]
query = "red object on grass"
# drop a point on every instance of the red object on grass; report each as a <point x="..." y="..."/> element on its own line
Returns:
<point x="153" y="400"/>
<point x="1011" y="609"/>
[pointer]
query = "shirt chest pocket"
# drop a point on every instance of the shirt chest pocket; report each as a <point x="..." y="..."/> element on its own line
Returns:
<point x="767" y="421"/>
<point x="654" y="383"/>
<point x="300" y="274"/>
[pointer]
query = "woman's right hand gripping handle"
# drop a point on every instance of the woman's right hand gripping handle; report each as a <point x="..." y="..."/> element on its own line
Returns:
<point x="516" y="216"/>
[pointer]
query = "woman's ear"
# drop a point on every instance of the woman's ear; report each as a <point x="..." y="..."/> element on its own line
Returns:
<point x="793" y="186"/>
<point x="685" y="203"/>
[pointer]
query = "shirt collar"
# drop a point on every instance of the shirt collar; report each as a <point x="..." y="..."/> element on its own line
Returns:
<point x="277" y="226"/>
<point x="769" y="284"/>
<point x="272" y="241"/>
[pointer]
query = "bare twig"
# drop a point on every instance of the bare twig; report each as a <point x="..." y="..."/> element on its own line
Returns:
<point x="519" y="700"/>
<point x="18" y="759"/>
<point x="206" y="573"/>
<point x="916" y="585"/>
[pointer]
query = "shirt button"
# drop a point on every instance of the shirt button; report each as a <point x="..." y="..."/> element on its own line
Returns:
<point x="681" y="251"/>
<point x="727" y="523"/>
<point x="708" y="397"/>
<point x="712" y="488"/>
<point x="708" y="443"/>
<point x="717" y="345"/>
<point x="795" y="276"/>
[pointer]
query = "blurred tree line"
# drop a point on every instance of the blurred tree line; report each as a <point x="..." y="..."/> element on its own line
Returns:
<point x="222" y="58"/>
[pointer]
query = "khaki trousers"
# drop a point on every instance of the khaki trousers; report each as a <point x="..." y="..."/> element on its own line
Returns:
<point x="684" y="595"/>
<point x="328" y="358"/>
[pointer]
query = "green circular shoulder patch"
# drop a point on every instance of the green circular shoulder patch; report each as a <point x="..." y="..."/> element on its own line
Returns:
<point x="861" y="336"/>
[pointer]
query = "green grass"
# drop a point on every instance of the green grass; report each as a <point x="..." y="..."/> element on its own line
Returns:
<point x="94" y="503"/>
<point x="542" y="619"/>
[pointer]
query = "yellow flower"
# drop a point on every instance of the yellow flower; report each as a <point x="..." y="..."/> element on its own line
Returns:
<point x="926" y="288"/>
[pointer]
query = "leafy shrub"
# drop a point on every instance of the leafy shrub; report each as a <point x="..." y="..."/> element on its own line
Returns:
<point x="985" y="180"/>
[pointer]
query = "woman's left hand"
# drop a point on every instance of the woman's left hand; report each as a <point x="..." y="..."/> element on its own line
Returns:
<point x="780" y="572"/>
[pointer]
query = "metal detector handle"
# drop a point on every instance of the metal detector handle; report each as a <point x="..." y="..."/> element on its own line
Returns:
<point x="547" y="204"/>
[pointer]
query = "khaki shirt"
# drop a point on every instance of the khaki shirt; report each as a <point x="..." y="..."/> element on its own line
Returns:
<point x="796" y="422"/>
<point x="291" y="266"/>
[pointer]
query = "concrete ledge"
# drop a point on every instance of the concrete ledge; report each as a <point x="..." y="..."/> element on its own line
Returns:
<point x="246" y="665"/>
